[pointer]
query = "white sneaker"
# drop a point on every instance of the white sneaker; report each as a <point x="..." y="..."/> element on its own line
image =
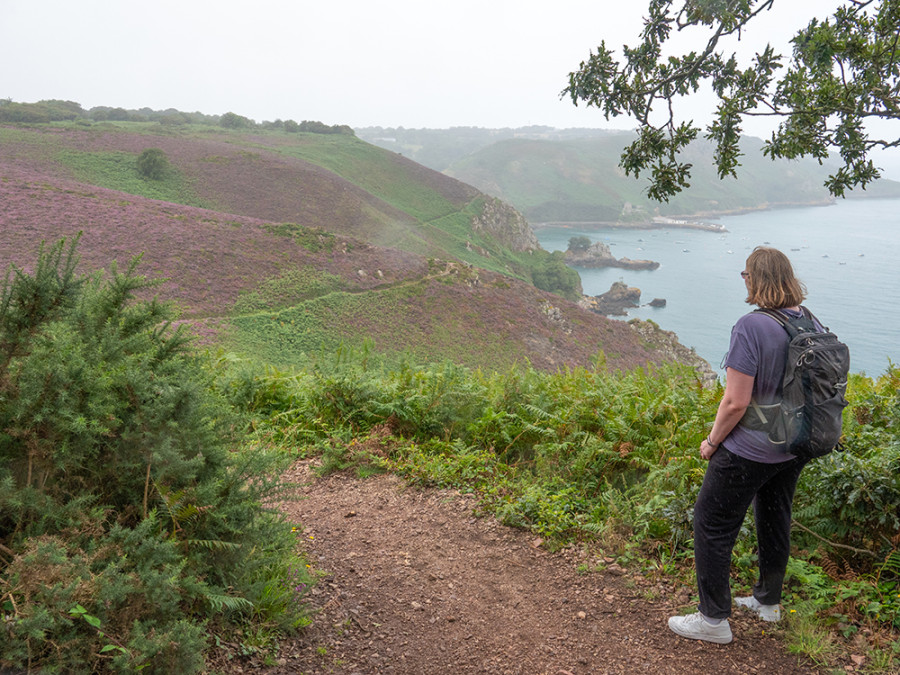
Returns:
<point x="764" y="612"/>
<point x="696" y="627"/>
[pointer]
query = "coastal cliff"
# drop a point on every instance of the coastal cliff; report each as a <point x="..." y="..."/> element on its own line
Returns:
<point x="505" y="224"/>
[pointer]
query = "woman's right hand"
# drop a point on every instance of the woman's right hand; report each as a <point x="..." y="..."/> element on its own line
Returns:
<point x="707" y="449"/>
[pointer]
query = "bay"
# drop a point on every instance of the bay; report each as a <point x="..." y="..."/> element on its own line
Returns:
<point x="846" y="254"/>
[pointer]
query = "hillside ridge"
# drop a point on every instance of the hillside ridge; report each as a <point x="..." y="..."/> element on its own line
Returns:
<point x="57" y="182"/>
<point x="573" y="175"/>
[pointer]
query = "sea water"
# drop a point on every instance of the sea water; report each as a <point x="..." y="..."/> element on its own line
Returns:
<point x="846" y="254"/>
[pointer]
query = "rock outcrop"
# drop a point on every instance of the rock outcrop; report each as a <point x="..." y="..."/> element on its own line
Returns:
<point x="509" y="227"/>
<point x="666" y="343"/>
<point x="615" y="301"/>
<point x="598" y="255"/>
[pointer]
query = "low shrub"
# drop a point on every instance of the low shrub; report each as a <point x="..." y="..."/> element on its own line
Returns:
<point x="152" y="163"/>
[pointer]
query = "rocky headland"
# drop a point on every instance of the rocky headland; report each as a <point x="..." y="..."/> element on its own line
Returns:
<point x="598" y="255"/>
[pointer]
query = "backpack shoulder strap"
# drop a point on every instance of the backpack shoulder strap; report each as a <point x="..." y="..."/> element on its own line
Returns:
<point x="776" y="314"/>
<point x="780" y="317"/>
<point x="794" y="326"/>
<point x="812" y="317"/>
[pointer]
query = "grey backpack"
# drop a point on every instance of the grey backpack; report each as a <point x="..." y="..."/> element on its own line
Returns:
<point x="807" y="420"/>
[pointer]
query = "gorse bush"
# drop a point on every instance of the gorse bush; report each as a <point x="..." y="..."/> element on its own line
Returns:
<point x="152" y="163"/>
<point x="129" y="525"/>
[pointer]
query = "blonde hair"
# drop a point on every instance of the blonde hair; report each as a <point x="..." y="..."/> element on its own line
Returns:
<point x="772" y="284"/>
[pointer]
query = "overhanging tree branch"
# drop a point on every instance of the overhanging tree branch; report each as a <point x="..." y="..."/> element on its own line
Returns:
<point x="842" y="73"/>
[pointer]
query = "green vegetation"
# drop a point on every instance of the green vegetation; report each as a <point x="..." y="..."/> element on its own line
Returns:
<point x="293" y="287"/>
<point x="440" y="227"/>
<point x="298" y="334"/>
<point x="39" y="113"/>
<point x="133" y="471"/>
<point x="410" y="208"/>
<point x="122" y="171"/>
<point x="313" y="240"/>
<point x="152" y="163"/>
<point x="44" y="112"/>
<point x="572" y="175"/>
<point x="438" y="149"/>
<point x="553" y="275"/>
<point x="232" y="120"/>
<point x="609" y="461"/>
<point x="579" y="243"/>
<point x="131" y="517"/>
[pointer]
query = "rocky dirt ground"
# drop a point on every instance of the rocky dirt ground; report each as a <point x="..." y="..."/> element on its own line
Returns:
<point x="415" y="583"/>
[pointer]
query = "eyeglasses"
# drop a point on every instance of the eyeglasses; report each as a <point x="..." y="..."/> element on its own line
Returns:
<point x="745" y="275"/>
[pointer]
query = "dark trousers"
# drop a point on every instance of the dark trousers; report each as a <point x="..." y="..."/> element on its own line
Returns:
<point x="730" y="486"/>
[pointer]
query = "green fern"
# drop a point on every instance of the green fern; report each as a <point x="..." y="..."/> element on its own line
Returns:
<point x="231" y="603"/>
<point x="891" y="564"/>
<point x="213" y="544"/>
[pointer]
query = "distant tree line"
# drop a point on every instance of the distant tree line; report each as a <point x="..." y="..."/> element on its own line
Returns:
<point x="64" y="111"/>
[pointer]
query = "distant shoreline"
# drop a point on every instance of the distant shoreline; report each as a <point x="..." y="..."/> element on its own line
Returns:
<point x="655" y="224"/>
<point x="686" y="221"/>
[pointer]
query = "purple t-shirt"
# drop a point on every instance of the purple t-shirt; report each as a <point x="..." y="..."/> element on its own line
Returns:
<point x="758" y="347"/>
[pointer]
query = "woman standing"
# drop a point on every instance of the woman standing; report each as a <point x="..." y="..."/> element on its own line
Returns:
<point x="744" y="466"/>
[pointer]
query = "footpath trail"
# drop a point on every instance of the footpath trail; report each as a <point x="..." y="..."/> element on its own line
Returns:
<point x="415" y="584"/>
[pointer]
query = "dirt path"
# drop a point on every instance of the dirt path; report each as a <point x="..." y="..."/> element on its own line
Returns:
<point x="416" y="584"/>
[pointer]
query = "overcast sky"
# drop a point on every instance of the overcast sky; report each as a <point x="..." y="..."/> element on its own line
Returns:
<point x="409" y="63"/>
